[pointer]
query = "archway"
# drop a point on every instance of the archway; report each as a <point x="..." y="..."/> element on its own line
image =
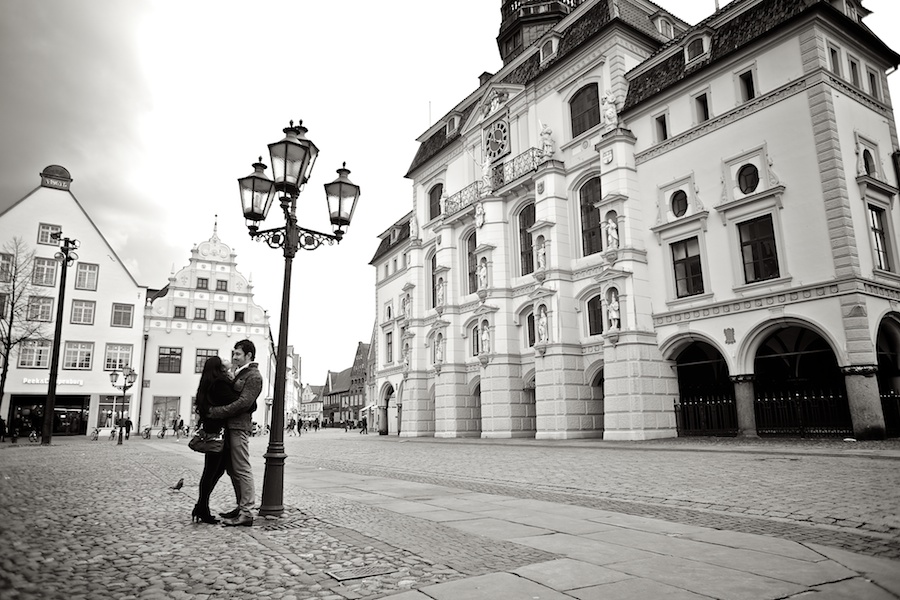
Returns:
<point x="706" y="394"/>
<point x="887" y="347"/>
<point x="597" y="396"/>
<point x="799" y="387"/>
<point x="385" y="407"/>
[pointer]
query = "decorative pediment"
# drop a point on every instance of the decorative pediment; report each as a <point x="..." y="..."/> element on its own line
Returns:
<point x="495" y="99"/>
<point x="441" y="269"/>
<point x="541" y="292"/>
<point x="485" y="309"/>
<point x="610" y="274"/>
<point x="408" y="287"/>
<point x="438" y="325"/>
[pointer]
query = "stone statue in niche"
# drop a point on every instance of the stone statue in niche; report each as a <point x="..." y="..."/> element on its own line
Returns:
<point x="404" y="304"/>
<point x="439" y="300"/>
<point x="439" y="351"/>
<point x="548" y="146"/>
<point x="542" y="325"/>
<point x="612" y="310"/>
<point x="406" y="354"/>
<point x="541" y="256"/>
<point x="414" y="227"/>
<point x="482" y="275"/>
<point x="609" y="109"/>
<point x="485" y="338"/>
<point x="612" y="233"/>
<point x="487" y="187"/>
<point x="479" y="215"/>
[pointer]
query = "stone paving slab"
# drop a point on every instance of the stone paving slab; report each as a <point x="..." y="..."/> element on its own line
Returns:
<point x="491" y="587"/>
<point x="567" y="574"/>
<point x="635" y="589"/>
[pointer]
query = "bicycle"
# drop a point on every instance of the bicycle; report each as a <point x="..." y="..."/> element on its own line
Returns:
<point x="95" y="434"/>
<point x="112" y="434"/>
<point x="146" y="433"/>
<point x="162" y="433"/>
<point x="33" y="436"/>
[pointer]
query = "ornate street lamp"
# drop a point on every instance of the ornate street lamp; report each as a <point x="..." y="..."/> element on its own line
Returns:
<point x="292" y="163"/>
<point x="128" y="378"/>
<point x="66" y="257"/>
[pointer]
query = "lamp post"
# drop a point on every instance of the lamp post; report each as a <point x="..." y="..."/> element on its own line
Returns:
<point x="292" y="163"/>
<point x="66" y="257"/>
<point x="128" y="378"/>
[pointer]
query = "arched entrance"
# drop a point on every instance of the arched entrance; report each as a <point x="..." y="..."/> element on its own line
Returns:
<point x="706" y="403"/>
<point x="887" y="346"/>
<point x="799" y="387"/>
<point x="385" y="407"/>
<point x="597" y="397"/>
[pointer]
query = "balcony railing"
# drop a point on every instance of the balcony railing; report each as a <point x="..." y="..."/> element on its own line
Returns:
<point x="501" y="175"/>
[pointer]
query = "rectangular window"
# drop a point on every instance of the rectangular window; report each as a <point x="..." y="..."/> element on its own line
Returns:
<point x="86" y="276"/>
<point x="880" y="242"/>
<point x="117" y="357"/>
<point x="476" y="341"/>
<point x="662" y="129"/>
<point x="388" y="348"/>
<point x="203" y="354"/>
<point x="180" y="312"/>
<point x="122" y="314"/>
<point x="46" y="233"/>
<point x="748" y="90"/>
<point x="834" y="56"/>
<point x="169" y="360"/>
<point x="701" y="106"/>
<point x="34" y="354"/>
<point x="78" y="355"/>
<point x="221" y="286"/>
<point x="40" y="308"/>
<point x="220" y="315"/>
<point x="4" y="306"/>
<point x="854" y="71"/>
<point x="238" y="316"/>
<point x="200" y="313"/>
<point x="202" y="283"/>
<point x="526" y="253"/>
<point x="874" y="88"/>
<point x="83" y="312"/>
<point x="688" y="269"/>
<point x="758" y="252"/>
<point x="6" y="267"/>
<point x="44" y="272"/>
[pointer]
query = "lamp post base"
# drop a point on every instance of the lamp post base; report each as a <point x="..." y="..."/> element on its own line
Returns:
<point x="272" y="503"/>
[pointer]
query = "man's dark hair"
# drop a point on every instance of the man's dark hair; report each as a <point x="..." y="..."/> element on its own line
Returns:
<point x="247" y="347"/>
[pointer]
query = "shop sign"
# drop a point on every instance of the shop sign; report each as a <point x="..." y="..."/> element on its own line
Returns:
<point x="46" y="380"/>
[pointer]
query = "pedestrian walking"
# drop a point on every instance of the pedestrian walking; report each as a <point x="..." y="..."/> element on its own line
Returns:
<point x="2" y="430"/>
<point x="215" y="389"/>
<point x="364" y="426"/>
<point x="128" y="426"/>
<point x="179" y="428"/>
<point x="248" y="384"/>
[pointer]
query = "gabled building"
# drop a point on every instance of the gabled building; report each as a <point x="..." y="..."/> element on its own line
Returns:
<point x="334" y="396"/>
<point x="204" y="310"/>
<point x="638" y="228"/>
<point x="101" y="316"/>
<point x="311" y="407"/>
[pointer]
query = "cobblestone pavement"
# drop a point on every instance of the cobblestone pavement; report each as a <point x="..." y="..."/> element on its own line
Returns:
<point x="823" y="491"/>
<point x="83" y="519"/>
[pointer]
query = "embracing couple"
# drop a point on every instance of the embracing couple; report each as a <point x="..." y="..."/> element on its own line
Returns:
<point x="227" y="402"/>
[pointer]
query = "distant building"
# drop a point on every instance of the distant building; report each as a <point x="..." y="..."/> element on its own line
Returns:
<point x="637" y="228"/>
<point x="311" y="402"/>
<point x="334" y="394"/>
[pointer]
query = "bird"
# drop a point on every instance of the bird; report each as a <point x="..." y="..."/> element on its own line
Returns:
<point x="178" y="485"/>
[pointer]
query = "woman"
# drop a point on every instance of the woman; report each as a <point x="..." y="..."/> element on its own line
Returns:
<point x="215" y="389"/>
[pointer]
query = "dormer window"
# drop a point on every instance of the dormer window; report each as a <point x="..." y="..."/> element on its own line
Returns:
<point x="452" y="124"/>
<point x="664" y="26"/>
<point x="548" y="49"/>
<point x="696" y="48"/>
<point x="395" y="233"/>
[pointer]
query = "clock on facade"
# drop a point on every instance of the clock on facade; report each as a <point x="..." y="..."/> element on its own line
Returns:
<point x="496" y="140"/>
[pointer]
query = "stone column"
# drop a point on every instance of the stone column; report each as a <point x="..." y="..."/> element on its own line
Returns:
<point x="865" y="402"/>
<point x="744" y="400"/>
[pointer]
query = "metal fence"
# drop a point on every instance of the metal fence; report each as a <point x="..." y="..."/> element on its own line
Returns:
<point x="706" y="415"/>
<point x="805" y="413"/>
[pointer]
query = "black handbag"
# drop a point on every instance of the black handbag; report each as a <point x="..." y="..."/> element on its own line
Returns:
<point x="207" y="443"/>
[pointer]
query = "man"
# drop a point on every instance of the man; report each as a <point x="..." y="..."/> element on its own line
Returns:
<point x="248" y="383"/>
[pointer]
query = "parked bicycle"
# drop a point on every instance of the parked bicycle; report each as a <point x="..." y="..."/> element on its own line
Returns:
<point x="112" y="434"/>
<point x="95" y="434"/>
<point x="162" y="432"/>
<point x="146" y="433"/>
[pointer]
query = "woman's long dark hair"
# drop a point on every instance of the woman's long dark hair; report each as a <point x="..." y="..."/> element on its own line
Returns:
<point x="212" y="371"/>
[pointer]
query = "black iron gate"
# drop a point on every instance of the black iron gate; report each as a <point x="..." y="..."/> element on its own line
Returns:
<point x="706" y="415"/>
<point x="806" y="413"/>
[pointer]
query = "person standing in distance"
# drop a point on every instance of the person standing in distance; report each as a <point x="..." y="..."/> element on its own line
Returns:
<point x="248" y="384"/>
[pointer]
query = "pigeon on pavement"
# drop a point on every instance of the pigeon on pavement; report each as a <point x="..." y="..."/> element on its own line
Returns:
<point x="178" y="485"/>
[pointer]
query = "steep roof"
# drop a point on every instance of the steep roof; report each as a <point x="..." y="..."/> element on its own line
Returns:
<point x="748" y="24"/>
<point x="387" y="243"/>
<point x="589" y="24"/>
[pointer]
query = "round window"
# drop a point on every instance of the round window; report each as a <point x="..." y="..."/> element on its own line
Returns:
<point x="679" y="203"/>
<point x="748" y="178"/>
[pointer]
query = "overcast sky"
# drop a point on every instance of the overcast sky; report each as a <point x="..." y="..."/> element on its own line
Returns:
<point x="157" y="107"/>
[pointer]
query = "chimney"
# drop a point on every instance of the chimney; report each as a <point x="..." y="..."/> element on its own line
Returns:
<point x="484" y="78"/>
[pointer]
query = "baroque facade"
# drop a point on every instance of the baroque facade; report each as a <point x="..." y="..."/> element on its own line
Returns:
<point x="639" y="228"/>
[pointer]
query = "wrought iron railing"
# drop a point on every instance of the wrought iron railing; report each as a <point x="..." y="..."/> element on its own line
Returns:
<point x="706" y="415"/>
<point x="511" y="8"/>
<point x="464" y="197"/>
<point x="513" y="169"/>
<point x="807" y="413"/>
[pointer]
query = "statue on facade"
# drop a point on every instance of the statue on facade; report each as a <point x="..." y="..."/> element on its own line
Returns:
<point x="414" y="226"/>
<point x="482" y="275"/>
<point x="541" y="256"/>
<point x="404" y="304"/>
<point x="612" y="233"/>
<point x="479" y="215"/>
<point x="542" y="325"/>
<point x="547" y="143"/>
<point x="609" y="109"/>
<point x="612" y="311"/>
<point x="439" y="293"/>
<point x="439" y="350"/>
<point x="485" y="338"/>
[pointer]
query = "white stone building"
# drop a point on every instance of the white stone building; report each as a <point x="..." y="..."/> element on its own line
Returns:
<point x="638" y="228"/>
<point x="101" y="314"/>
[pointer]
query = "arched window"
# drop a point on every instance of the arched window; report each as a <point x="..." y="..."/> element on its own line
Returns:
<point x="472" y="262"/>
<point x="591" y="232"/>
<point x="526" y="221"/>
<point x="695" y="48"/>
<point x="584" y="108"/>
<point x="434" y="280"/>
<point x="869" y="163"/>
<point x="434" y="201"/>
<point x="476" y="339"/>
<point x="595" y="315"/>
<point x="531" y="330"/>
